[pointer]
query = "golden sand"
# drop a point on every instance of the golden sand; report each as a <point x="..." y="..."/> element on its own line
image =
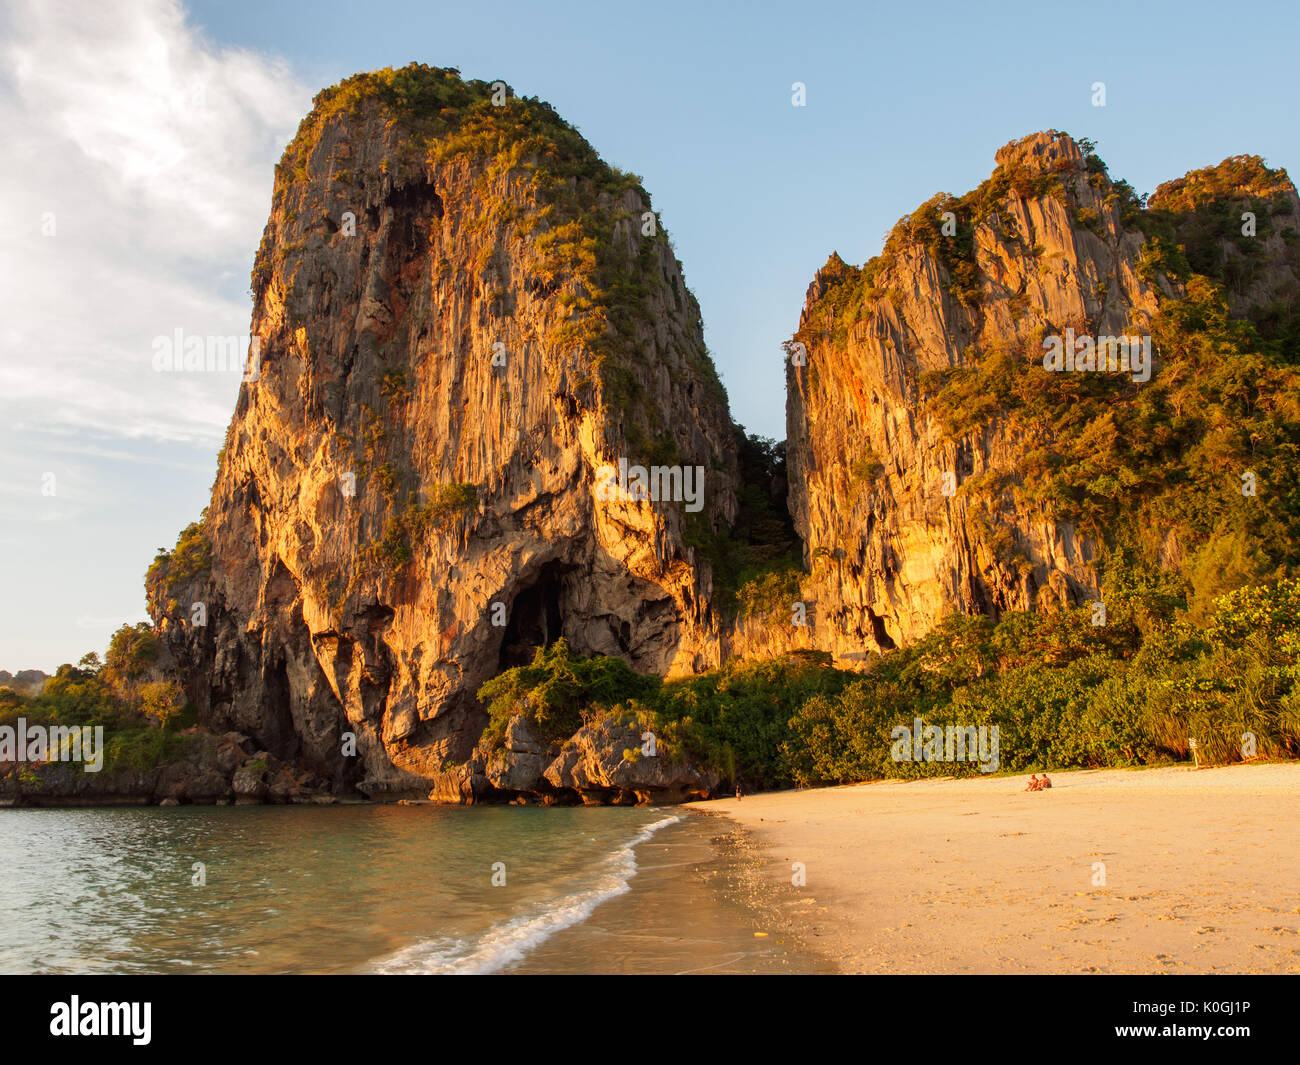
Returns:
<point x="1168" y="870"/>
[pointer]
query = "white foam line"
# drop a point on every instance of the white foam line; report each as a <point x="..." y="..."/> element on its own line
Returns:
<point x="510" y="941"/>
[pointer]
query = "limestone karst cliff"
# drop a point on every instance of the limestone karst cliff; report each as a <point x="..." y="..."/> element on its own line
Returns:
<point x="463" y="314"/>
<point x="930" y="451"/>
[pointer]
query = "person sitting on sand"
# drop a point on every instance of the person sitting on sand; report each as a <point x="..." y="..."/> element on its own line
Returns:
<point x="1033" y="782"/>
<point x="1045" y="783"/>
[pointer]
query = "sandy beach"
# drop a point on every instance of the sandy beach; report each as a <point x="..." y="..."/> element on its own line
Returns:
<point x="1168" y="870"/>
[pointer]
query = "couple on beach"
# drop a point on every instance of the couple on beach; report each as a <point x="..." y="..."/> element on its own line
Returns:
<point x="1038" y="785"/>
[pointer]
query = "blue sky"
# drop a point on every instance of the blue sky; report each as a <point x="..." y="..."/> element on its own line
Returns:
<point x="148" y="131"/>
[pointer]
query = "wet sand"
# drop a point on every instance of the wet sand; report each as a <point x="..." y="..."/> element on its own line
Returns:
<point x="697" y="905"/>
<point x="1168" y="870"/>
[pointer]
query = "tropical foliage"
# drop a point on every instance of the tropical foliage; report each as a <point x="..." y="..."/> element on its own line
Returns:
<point x="1062" y="692"/>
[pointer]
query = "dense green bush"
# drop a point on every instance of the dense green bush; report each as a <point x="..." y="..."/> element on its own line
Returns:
<point x="557" y="689"/>
<point x="737" y="718"/>
<point x="88" y="694"/>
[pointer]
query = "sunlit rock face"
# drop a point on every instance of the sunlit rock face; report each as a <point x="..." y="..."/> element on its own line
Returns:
<point x="463" y="317"/>
<point x="902" y="521"/>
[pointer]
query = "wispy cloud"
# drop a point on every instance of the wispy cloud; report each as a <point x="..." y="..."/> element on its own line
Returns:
<point x="147" y="153"/>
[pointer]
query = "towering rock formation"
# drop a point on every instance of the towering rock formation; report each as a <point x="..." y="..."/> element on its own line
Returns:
<point x="465" y="318"/>
<point x="463" y="314"/>
<point x="912" y="495"/>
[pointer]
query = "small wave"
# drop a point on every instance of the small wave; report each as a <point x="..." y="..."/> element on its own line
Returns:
<point x="509" y="941"/>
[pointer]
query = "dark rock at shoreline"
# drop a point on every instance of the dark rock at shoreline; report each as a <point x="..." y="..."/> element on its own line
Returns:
<point x="521" y="765"/>
<point x="595" y="763"/>
<point x="602" y="764"/>
<point x="220" y="770"/>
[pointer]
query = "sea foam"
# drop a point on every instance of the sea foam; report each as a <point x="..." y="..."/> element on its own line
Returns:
<point x="510" y="941"/>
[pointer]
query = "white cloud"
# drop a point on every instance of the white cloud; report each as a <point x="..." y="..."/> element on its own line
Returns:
<point x="153" y="151"/>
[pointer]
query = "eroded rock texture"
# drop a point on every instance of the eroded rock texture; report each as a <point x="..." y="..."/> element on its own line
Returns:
<point x="463" y="314"/>
<point x="895" y="553"/>
<point x="1048" y="244"/>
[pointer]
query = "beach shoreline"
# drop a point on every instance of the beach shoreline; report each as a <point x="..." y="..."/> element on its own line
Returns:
<point x="1162" y="870"/>
<point x="697" y="905"/>
<point x="385" y="889"/>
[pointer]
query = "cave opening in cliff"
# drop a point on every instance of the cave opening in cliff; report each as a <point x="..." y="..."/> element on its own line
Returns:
<point x="878" y="631"/>
<point x="536" y="620"/>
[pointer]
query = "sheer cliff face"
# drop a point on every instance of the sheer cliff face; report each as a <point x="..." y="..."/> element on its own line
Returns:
<point x="902" y="521"/>
<point x="463" y="316"/>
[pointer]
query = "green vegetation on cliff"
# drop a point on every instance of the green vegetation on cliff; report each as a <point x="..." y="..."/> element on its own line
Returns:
<point x="1208" y="217"/>
<point x="409" y="525"/>
<point x="1146" y="465"/>
<point x="761" y="551"/>
<point x="170" y="571"/>
<point x="1193" y="469"/>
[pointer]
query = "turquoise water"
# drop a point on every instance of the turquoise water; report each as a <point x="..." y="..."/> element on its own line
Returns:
<point x="372" y="889"/>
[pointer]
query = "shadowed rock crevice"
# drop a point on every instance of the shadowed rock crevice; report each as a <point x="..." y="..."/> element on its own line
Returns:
<point x="536" y="619"/>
